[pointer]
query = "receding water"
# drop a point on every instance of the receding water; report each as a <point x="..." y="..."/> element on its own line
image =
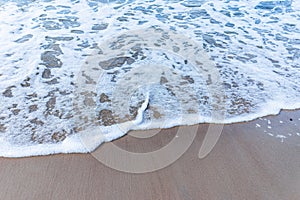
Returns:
<point x="70" y="66"/>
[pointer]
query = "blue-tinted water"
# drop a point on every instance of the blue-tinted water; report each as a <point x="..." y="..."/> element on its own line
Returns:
<point x="69" y="66"/>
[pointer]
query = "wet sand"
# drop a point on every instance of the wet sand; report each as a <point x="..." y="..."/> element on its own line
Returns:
<point x="246" y="163"/>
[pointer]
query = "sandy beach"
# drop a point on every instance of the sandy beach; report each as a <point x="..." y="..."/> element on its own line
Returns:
<point x="246" y="163"/>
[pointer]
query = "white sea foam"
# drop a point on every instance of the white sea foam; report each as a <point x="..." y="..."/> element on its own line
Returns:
<point x="75" y="74"/>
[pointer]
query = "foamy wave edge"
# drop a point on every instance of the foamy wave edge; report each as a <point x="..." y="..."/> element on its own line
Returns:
<point x="75" y="143"/>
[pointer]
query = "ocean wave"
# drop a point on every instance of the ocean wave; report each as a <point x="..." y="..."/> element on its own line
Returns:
<point x="102" y="68"/>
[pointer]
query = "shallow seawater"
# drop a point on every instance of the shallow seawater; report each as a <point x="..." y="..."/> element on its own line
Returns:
<point x="72" y="67"/>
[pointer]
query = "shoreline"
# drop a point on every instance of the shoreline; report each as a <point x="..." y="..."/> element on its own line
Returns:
<point x="246" y="163"/>
<point x="85" y="144"/>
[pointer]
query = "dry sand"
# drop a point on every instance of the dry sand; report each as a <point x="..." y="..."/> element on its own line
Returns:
<point x="246" y="163"/>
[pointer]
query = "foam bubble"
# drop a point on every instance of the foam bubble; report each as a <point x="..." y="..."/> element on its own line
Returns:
<point x="249" y="55"/>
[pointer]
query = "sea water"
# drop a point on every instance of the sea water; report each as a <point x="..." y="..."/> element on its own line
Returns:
<point x="100" y="68"/>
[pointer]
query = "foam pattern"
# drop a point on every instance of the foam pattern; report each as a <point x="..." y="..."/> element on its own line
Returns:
<point x="100" y="68"/>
